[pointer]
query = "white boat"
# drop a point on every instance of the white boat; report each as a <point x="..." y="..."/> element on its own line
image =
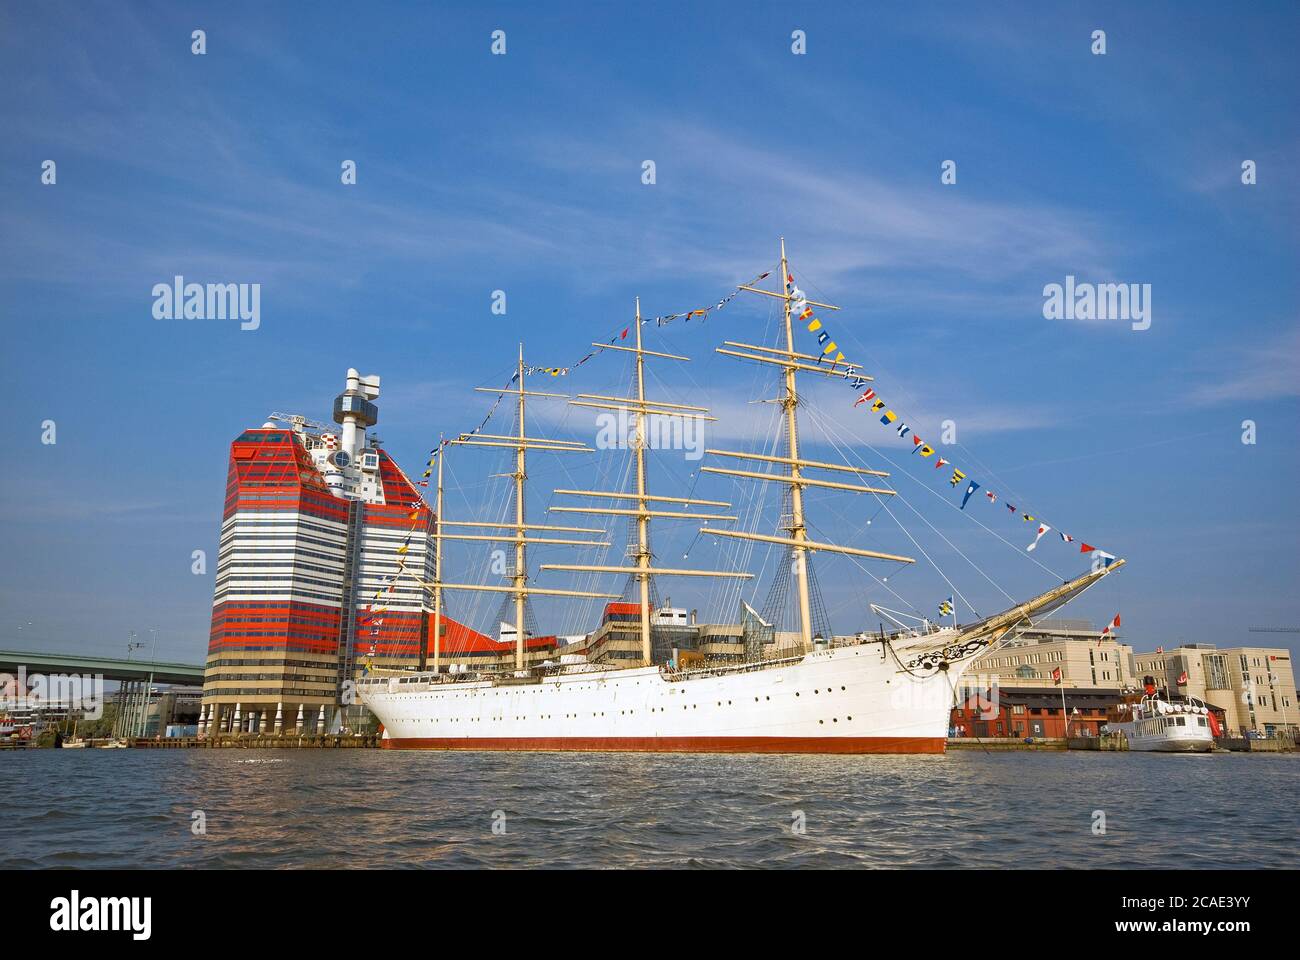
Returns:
<point x="885" y="693"/>
<point x="1155" y="725"/>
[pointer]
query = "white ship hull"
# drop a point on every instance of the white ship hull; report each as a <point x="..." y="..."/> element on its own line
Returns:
<point x="854" y="699"/>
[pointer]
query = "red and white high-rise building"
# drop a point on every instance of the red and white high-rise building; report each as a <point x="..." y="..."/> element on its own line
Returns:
<point x="317" y="525"/>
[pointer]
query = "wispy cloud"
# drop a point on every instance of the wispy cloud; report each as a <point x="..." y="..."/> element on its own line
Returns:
<point x="267" y="203"/>
<point x="1266" y="372"/>
<point x="828" y="418"/>
<point x="850" y="223"/>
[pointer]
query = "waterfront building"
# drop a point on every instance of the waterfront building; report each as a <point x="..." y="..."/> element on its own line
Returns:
<point x="1255" y="686"/>
<point x="1075" y="647"/>
<point x="1020" y="712"/>
<point x="316" y="521"/>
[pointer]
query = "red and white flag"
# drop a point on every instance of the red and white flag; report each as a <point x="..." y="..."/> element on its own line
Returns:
<point x="1110" y="629"/>
<point x="1042" y="529"/>
<point x="865" y="397"/>
<point x="1160" y="649"/>
<point x="1182" y="679"/>
<point x="1056" y="676"/>
<point x="993" y="497"/>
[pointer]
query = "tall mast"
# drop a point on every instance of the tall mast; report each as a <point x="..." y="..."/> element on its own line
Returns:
<point x="521" y="572"/>
<point x="643" y="518"/>
<point x="829" y="363"/>
<point x="643" y="408"/>
<point x="797" y="530"/>
<point x="437" y="568"/>
<point x="518" y="532"/>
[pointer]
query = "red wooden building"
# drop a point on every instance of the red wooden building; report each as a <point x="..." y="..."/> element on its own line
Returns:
<point x="1020" y="712"/>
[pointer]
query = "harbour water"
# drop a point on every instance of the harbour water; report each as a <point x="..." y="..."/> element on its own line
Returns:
<point x="373" y="808"/>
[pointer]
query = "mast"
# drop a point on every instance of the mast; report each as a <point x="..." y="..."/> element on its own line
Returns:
<point x="642" y="408"/>
<point x="518" y="532"/>
<point x="437" y="568"/>
<point x="642" y="520"/>
<point x="797" y="528"/>
<point x="829" y="363"/>
<point x="520" y="568"/>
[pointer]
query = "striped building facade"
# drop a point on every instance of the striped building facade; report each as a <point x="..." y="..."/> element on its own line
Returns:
<point x="323" y="543"/>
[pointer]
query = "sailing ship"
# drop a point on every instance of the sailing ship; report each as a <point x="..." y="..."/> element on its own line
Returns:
<point x="884" y="692"/>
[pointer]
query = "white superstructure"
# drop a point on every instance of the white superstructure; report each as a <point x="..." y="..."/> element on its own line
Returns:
<point x="1156" y="725"/>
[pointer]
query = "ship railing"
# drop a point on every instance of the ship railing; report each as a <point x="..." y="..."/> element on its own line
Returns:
<point x="418" y="681"/>
<point x="516" y="681"/>
<point x="674" y="676"/>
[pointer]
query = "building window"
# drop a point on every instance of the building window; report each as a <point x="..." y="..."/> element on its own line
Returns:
<point x="1216" y="669"/>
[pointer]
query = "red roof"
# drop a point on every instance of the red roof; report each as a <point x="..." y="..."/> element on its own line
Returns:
<point x="459" y="638"/>
<point x="397" y="490"/>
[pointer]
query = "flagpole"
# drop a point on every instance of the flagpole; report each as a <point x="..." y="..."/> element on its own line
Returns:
<point x="1065" y="717"/>
<point x="1286" y="727"/>
<point x="437" y="565"/>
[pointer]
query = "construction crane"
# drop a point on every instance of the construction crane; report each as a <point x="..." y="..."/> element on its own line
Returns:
<point x="297" y="421"/>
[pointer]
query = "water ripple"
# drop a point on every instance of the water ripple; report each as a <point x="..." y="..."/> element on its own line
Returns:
<point x="359" y="808"/>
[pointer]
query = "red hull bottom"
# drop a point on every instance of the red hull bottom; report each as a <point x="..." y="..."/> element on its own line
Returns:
<point x="677" y="744"/>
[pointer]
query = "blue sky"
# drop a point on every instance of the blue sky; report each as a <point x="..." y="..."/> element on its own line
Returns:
<point x="523" y="173"/>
